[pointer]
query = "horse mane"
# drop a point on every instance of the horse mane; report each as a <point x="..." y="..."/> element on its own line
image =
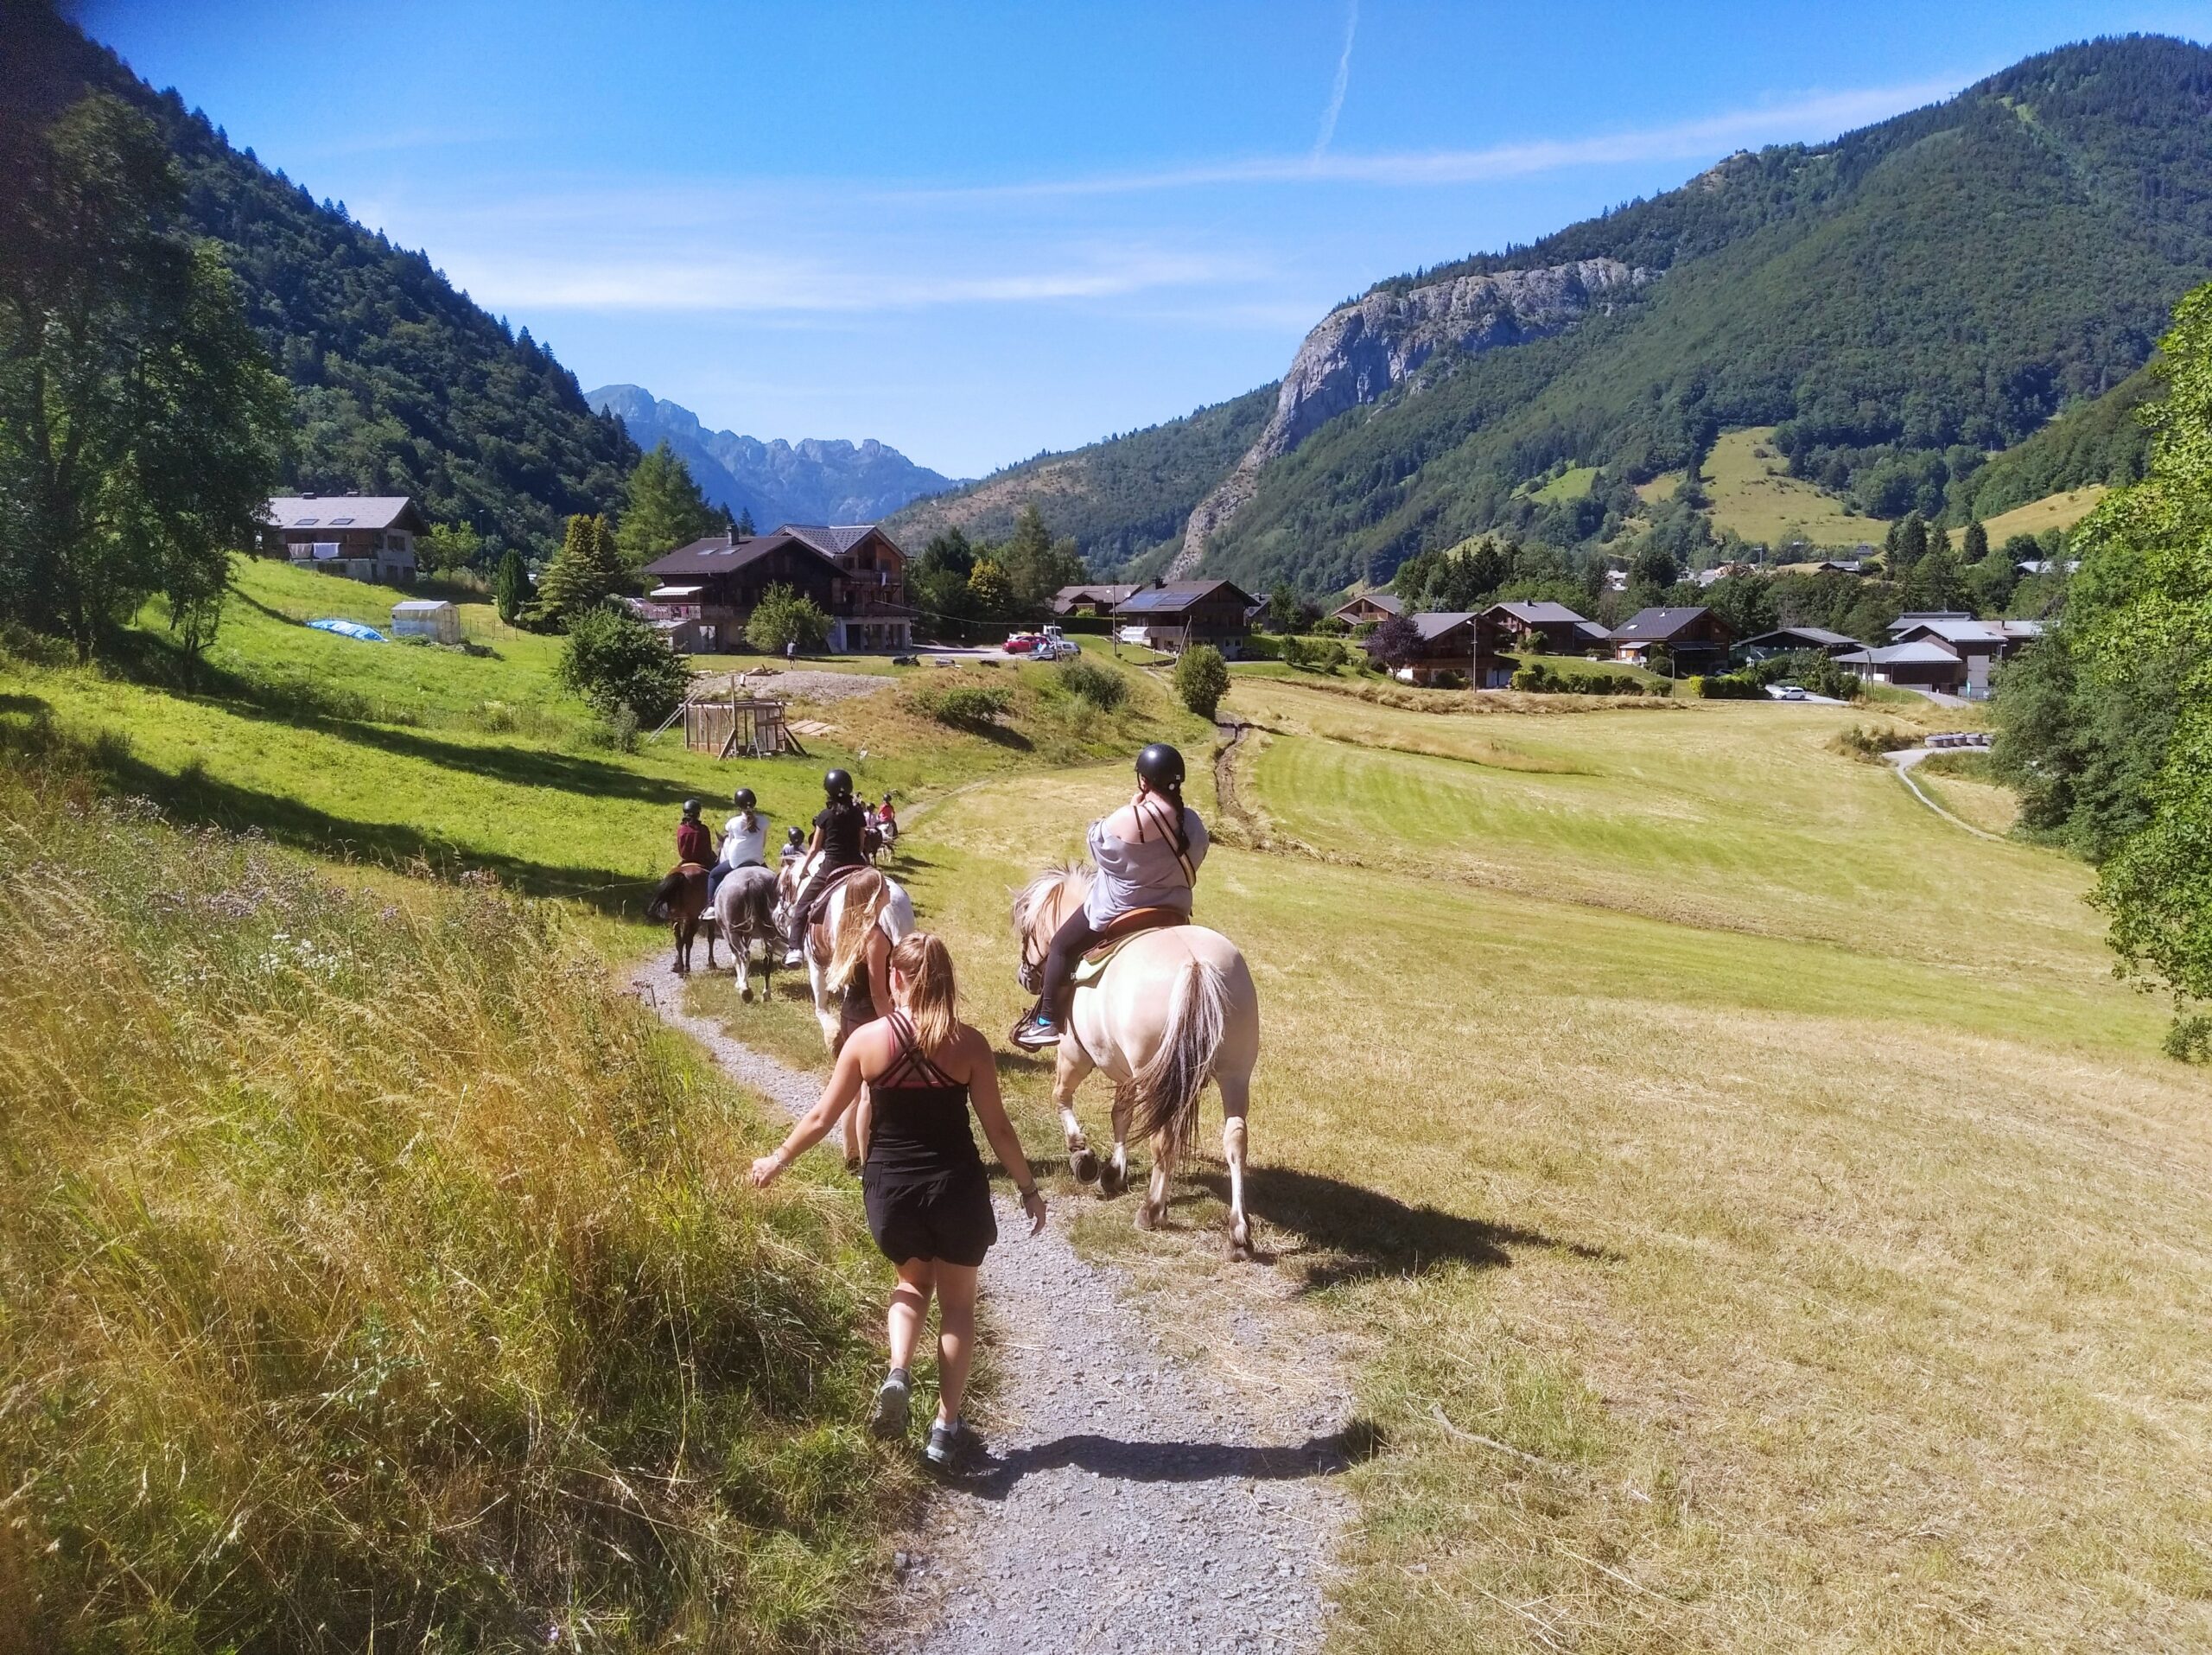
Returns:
<point x="1033" y="898"/>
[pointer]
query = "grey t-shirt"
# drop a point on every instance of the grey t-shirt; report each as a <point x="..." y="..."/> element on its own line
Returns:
<point x="1146" y="873"/>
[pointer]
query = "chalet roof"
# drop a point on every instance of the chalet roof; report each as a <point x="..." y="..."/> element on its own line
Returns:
<point x="1110" y="594"/>
<point x="1912" y="618"/>
<point x="1818" y="636"/>
<point x="1915" y="653"/>
<point x="831" y="539"/>
<point x="348" y="512"/>
<point x="1658" y="626"/>
<point x="1540" y="615"/>
<point x="1969" y="632"/>
<point x="1173" y="597"/>
<point x="1433" y="624"/>
<point x="1390" y="603"/>
<point x="718" y="554"/>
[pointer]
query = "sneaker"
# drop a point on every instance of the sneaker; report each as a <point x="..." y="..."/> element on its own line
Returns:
<point x="889" y="1418"/>
<point x="1035" y="1032"/>
<point x="951" y="1446"/>
<point x="793" y="959"/>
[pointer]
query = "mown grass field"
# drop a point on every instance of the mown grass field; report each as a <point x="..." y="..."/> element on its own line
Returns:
<point x="1762" y="1219"/>
<point x="1767" y="1223"/>
<point x="2052" y="512"/>
<point x="1753" y="494"/>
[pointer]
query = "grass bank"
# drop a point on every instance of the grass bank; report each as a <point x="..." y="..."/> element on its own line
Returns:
<point x="372" y="1275"/>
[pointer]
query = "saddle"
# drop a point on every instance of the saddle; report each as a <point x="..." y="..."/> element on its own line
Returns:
<point x="1117" y="934"/>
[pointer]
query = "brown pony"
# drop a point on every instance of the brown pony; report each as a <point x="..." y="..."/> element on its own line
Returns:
<point x="680" y="899"/>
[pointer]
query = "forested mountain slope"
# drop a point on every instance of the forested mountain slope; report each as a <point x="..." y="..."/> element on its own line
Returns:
<point x="1125" y="500"/>
<point x="403" y="385"/>
<point x="1898" y="303"/>
<point x="812" y="481"/>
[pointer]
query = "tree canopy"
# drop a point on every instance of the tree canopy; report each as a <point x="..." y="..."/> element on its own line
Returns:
<point x="663" y="509"/>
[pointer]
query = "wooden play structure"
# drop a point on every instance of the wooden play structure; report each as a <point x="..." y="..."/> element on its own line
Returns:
<point x="737" y="722"/>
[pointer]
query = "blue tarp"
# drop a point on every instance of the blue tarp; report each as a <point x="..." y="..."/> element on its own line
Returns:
<point x="351" y="629"/>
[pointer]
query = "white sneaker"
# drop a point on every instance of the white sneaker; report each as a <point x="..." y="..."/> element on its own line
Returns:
<point x="794" y="958"/>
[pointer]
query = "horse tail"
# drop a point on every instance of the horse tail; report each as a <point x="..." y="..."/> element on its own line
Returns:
<point x="663" y="901"/>
<point x="1168" y="1082"/>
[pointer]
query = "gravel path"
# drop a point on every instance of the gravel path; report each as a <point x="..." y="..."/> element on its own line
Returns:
<point x="1905" y="759"/>
<point x="1133" y="1498"/>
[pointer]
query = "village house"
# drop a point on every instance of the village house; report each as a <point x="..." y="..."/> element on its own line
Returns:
<point x="1459" y="642"/>
<point x="1720" y="572"/>
<point x="1173" y="616"/>
<point x="1980" y="644"/>
<point x="1916" y="665"/>
<point x="705" y="593"/>
<point x="1097" y="600"/>
<point x="1561" y="630"/>
<point x="1790" y="641"/>
<point x="1369" y="609"/>
<point x="362" y="537"/>
<point x="1695" y="638"/>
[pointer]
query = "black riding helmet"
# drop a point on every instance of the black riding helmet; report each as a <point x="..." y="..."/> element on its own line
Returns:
<point x="838" y="784"/>
<point x="792" y="835"/>
<point x="1159" y="766"/>
<point x="690" y="807"/>
<point x="743" y="799"/>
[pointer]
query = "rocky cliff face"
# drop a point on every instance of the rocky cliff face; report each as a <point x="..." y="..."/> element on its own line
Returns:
<point x="809" y="482"/>
<point x="1362" y="349"/>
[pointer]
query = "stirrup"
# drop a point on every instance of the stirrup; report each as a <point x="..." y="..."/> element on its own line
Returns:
<point x="1034" y="1033"/>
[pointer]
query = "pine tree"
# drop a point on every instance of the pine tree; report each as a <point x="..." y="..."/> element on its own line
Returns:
<point x="1911" y="546"/>
<point x="665" y="511"/>
<point x="511" y="587"/>
<point x="586" y="572"/>
<point x="743" y="528"/>
<point x="1977" y="543"/>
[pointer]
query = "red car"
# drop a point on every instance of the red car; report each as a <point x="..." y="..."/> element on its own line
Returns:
<point x="1021" y="643"/>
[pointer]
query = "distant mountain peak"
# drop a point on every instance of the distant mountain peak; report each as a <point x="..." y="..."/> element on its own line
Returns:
<point x="815" y="479"/>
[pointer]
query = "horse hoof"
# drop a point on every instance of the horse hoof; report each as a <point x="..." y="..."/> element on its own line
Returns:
<point x="745" y="995"/>
<point x="1084" y="1165"/>
<point x="1145" y="1220"/>
<point x="1111" y="1182"/>
<point x="1236" y="1251"/>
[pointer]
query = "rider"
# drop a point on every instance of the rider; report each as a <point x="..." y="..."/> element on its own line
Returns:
<point x="837" y="834"/>
<point x="745" y="842"/>
<point x="1147" y="856"/>
<point x="693" y="843"/>
<point x="794" y="845"/>
<point x="886" y="819"/>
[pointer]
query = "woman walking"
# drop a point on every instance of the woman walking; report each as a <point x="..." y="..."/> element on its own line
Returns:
<point x="929" y="1201"/>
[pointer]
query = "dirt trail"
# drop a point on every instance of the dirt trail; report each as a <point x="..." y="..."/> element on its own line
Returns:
<point x="1905" y="759"/>
<point x="1133" y="1498"/>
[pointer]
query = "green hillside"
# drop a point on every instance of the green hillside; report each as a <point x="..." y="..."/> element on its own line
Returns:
<point x="404" y="386"/>
<point x="2100" y="442"/>
<point x="1896" y="304"/>
<point x="1124" y="500"/>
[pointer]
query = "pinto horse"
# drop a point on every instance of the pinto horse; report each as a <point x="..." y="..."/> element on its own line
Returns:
<point x="679" y="900"/>
<point x="1172" y="1010"/>
<point x="835" y="947"/>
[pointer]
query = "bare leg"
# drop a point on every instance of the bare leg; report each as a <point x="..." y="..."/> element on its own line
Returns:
<point x="956" y="1335"/>
<point x="910" y="1308"/>
<point x="1075" y="1066"/>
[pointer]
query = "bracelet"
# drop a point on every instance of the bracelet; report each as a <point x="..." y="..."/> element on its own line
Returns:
<point x="1026" y="1194"/>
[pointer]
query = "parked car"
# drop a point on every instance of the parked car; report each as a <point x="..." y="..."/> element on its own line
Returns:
<point x="1788" y="692"/>
<point x="1021" y="643"/>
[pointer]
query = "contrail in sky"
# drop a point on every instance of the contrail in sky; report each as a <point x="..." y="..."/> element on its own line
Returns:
<point x="1343" y="78"/>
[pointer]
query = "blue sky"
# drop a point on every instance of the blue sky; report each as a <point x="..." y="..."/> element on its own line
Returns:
<point x="977" y="232"/>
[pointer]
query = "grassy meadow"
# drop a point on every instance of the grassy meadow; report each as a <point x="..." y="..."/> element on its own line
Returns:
<point x="1752" y="493"/>
<point x="1765" y="1222"/>
<point x="2052" y="512"/>
<point x="1760" y="1218"/>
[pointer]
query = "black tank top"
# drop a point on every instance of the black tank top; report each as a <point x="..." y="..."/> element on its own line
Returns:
<point x="920" y="1127"/>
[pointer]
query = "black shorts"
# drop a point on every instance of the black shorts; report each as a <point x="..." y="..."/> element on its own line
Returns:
<point x="948" y="1218"/>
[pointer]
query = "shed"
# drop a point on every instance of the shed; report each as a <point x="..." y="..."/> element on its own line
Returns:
<point x="431" y="618"/>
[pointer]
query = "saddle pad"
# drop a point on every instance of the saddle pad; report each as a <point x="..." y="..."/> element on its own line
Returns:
<point x="1128" y="928"/>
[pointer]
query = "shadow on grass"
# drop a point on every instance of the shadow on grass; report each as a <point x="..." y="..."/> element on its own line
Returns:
<point x="1353" y="1233"/>
<point x="994" y="1477"/>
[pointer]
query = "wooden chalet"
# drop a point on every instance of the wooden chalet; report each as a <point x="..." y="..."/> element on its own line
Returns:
<point x="1791" y="640"/>
<point x="705" y="593"/>
<point x="1098" y="599"/>
<point x="1563" y="632"/>
<point x="1694" y="636"/>
<point x="1173" y="616"/>
<point x="1979" y="645"/>
<point x="1457" y="641"/>
<point x="362" y="537"/>
<point x="1369" y="609"/>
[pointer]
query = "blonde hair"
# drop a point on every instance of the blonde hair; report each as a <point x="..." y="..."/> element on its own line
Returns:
<point x="933" y="999"/>
<point x="866" y="894"/>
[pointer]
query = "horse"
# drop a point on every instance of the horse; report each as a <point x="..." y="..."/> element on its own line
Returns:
<point x="834" y="949"/>
<point x="680" y="899"/>
<point x="744" y="915"/>
<point x="1173" y="1009"/>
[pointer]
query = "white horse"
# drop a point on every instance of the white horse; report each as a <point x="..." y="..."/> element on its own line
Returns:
<point x="745" y="905"/>
<point x="1173" y="1009"/>
<point x="821" y="950"/>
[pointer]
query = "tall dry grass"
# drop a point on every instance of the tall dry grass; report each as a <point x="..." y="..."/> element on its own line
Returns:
<point x="373" y="1275"/>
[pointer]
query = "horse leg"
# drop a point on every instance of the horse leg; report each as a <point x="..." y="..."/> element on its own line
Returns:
<point x="740" y="965"/>
<point x="1114" y="1178"/>
<point x="682" y="952"/>
<point x="713" y="927"/>
<point x="1235" y="1100"/>
<point x="1075" y="1066"/>
<point x="1154" y="1208"/>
